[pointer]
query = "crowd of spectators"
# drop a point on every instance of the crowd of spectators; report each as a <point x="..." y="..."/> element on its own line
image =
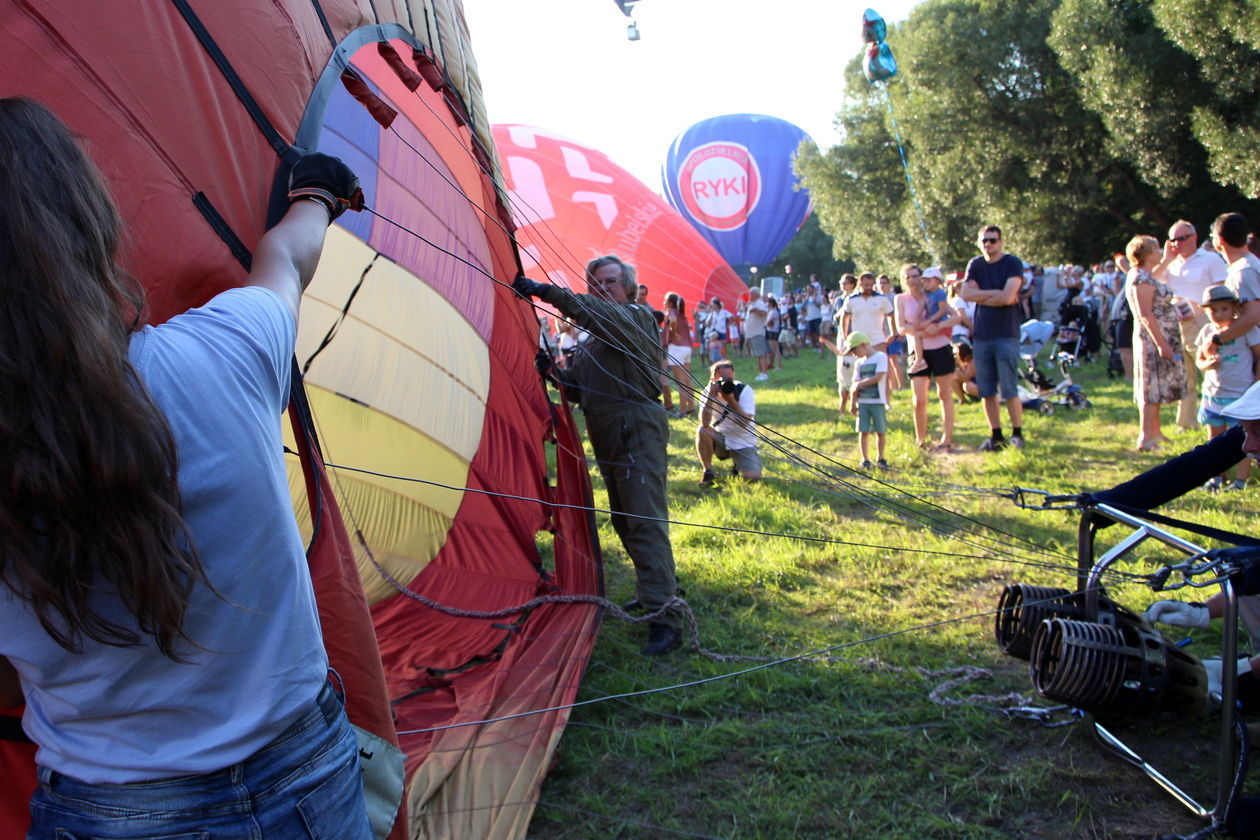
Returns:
<point x="1156" y="313"/>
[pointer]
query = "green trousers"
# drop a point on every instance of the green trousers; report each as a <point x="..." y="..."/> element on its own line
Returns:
<point x="629" y="443"/>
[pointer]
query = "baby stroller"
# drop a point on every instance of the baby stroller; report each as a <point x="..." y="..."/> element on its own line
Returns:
<point x="1044" y="395"/>
<point x="1079" y="318"/>
<point x="1071" y="340"/>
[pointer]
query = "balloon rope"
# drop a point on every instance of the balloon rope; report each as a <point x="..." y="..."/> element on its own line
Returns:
<point x="766" y="435"/>
<point x="905" y="164"/>
<point x="823" y="654"/>
<point x="1037" y="564"/>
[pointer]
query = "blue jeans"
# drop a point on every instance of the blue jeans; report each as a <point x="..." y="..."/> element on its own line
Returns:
<point x="997" y="362"/>
<point x="304" y="785"/>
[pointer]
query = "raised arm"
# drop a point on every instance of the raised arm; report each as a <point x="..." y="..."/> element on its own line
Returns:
<point x="321" y="188"/>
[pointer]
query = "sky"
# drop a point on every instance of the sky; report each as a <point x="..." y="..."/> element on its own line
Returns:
<point x="567" y="66"/>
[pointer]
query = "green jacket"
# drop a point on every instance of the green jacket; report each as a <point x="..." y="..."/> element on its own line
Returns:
<point x="621" y="362"/>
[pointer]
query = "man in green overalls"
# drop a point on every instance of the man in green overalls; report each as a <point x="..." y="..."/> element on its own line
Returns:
<point x="616" y="373"/>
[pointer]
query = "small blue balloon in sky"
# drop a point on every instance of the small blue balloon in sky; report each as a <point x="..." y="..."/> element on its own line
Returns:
<point x="732" y="178"/>
<point x="874" y="30"/>
<point x="878" y="63"/>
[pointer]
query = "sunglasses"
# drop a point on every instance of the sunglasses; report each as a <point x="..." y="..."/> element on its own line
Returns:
<point x="989" y="240"/>
<point x="1181" y="238"/>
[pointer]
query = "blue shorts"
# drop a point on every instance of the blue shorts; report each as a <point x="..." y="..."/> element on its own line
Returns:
<point x="997" y="363"/>
<point x="872" y="417"/>
<point x="1209" y="412"/>
<point x="305" y="783"/>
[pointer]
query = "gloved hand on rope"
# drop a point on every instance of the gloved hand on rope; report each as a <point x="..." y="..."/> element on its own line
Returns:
<point x="1214" y="668"/>
<point x="527" y="288"/>
<point x="543" y="363"/>
<point x="1178" y="614"/>
<point x="329" y="181"/>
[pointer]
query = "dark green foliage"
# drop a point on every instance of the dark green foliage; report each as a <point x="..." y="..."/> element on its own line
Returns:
<point x="1073" y="124"/>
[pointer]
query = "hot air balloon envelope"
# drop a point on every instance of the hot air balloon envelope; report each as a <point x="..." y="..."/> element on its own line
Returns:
<point x="732" y="178"/>
<point x="572" y="204"/>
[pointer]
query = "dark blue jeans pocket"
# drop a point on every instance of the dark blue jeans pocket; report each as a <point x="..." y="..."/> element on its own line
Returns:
<point x="327" y="810"/>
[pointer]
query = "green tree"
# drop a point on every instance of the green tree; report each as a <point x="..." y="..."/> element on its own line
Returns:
<point x="1145" y="89"/>
<point x="1224" y="38"/>
<point x="811" y="251"/>
<point x="1049" y="118"/>
<point x="858" y="189"/>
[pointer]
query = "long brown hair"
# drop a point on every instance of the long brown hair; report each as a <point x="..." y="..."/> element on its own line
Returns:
<point x="91" y="501"/>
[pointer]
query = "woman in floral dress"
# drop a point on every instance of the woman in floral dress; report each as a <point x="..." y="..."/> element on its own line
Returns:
<point x="1159" y="375"/>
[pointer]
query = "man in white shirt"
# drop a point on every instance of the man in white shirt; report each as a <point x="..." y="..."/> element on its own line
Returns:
<point x="755" y="316"/>
<point x="867" y="312"/>
<point x="1189" y="270"/>
<point x="727" y="430"/>
<point x="813" y="312"/>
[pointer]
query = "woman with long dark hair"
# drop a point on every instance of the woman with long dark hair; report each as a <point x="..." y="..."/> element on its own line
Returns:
<point x="158" y="615"/>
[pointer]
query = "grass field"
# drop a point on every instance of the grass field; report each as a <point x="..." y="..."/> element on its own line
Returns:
<point x="851" y="744"/>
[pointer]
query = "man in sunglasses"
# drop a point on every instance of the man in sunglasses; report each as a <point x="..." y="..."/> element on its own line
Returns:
<point x="1189" y="270"/>
<point x="993" y="281"/>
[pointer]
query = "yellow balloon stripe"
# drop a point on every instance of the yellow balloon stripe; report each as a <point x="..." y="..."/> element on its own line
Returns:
<point x="402" y="348"/>
<point x="404" y="522"/>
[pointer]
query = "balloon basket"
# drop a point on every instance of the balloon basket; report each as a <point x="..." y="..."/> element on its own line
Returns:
<point x="1110" y="665"/>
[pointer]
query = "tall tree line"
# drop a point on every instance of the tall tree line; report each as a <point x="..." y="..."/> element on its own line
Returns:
<point x="1073" y="124"/>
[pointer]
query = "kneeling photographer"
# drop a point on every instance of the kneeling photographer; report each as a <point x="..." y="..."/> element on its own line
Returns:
<point x="726" y="425"/>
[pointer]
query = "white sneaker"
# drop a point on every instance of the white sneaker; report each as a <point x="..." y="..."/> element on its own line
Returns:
<point x="761" y="377"/>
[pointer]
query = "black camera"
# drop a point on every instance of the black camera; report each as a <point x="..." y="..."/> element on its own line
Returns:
<point x="727" y="386"/>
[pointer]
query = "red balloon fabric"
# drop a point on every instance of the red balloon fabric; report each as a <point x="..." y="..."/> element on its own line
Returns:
<point x="194" y="111"/>
<point x="571" y="203"/>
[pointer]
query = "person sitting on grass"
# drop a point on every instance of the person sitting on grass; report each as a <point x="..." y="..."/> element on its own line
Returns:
<point x="965" y="387"/>
<point x="727" y="410"/>
<point x="870" y="397"/>
<point x="1228" y="368"/>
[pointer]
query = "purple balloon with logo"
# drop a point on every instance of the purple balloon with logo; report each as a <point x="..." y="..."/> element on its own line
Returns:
<point x="731" y="177"/>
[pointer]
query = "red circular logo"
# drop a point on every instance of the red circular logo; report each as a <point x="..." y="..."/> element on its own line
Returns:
<point x="720" y="185"/>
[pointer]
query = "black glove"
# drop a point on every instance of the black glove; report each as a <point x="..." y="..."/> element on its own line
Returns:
<point x="527" y="288"/>
<point x="543" y="362"/>
<point x="327" y="180"/>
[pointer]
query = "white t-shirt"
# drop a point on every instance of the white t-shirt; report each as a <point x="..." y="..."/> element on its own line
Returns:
<point x="1244" y="277"/>
<point x="868" y="315"/>
<point x="755" y="318"/>
<point x="813" y="303"/>
<point x="1188" y="277"/>
<point x="716" y="327"/>
<point x="738" y="432"/>
<point x="967" y="307"/>
<point x="873" y="364"/>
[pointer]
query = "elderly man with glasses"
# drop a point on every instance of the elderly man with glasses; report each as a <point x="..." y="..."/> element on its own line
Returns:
<point x="1188" y="270"/>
